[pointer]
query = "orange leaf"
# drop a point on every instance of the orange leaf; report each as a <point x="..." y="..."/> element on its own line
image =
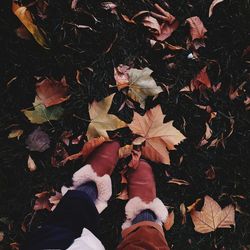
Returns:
<point x="201" y="79"/>
<point x="43" y="201"/>
<point x="170" y="221"/>
<point x="212" y="216"/>
<point x="52" y="92"/>
<point x="159" y="137"/>
<point x="91" y="145"/>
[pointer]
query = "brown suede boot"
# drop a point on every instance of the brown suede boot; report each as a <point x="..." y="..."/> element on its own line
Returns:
<point x="142" y="195"/>
<point x="99" y="166"/>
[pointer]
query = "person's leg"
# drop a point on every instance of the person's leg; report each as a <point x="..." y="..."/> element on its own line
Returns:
<point x="145" y="213"/>
<point x="81" y="204"/>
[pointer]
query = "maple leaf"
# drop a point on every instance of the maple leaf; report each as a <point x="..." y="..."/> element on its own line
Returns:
<point x="101" y="120"/>
<point x="26" y="18"/>
<point x="197" y="32"/>
<point x="212" y="216"/>
<point x="51" y="92"/>
<point x="41" y="114"/>
<point x="158" y="137"/>
<point x="139" y="82"/>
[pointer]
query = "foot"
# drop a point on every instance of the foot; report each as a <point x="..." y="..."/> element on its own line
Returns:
<point x="142" y="195"/>
<point x="99" y="166"/>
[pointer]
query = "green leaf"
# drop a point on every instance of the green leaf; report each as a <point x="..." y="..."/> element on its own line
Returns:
<point x="41" y="114"/>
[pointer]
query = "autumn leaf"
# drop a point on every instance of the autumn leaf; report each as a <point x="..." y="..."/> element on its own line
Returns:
<point x="41" y="114"/>
<point x="162" y="24"/>
<point x="179" y="182"/>
<point x="158" y="137"/>
<point x="31" y="164"/>
<point x="51" y="92"/>
<point x="26" y="18"/>
<point x="197" y="32"/>
<point x="55" y="199"/>
<point x="169" y="222"/>
<point x="139" y="82"/>
<point x="59" y="155"/>
<point x="42" y="201"/>
<point x="213" y="4"/>
<point x="201" y="79"/>
<point x="101" y="120"/>
<point x="212" y="216"/>
<point x="15" y="133"/>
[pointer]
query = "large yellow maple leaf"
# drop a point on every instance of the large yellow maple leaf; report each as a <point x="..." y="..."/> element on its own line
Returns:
<point x="212" y="216"/>
<point x="159" y="137"/>
<point x="101" y="120"/>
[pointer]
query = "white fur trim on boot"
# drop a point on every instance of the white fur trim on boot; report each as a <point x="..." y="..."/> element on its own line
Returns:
<point x="103" y="184"/>
<point x="135" y="206"/>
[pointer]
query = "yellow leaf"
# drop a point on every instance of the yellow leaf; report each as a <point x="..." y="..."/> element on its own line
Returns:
<point x="25" y="17"/>
<point x="15" y="133"/>
<point x="212" y="216"/>
<point x="101" y="121"/>
<point x="159" y="137"/>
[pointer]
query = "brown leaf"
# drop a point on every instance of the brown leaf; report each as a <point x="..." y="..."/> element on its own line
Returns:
<point x="23" y="33"/>
<point x="193" y="205"/>
<point x="52" y="92"/>
<point x="159" y="137"/>
<point x="15" y="133"/>
<point x="59" y="155"/>
<point x="127" y="19"/>
<point x="136" y="155"/>
<point x="152" y="23"/>
<point x="170" y="221"/>
<point x="14" y="246"/>
<point x="91" y="145"/>
<point x="201" y="79"/>
<point x="55" y="199"/>
<point x="212" y="216"/>
<point x="183" y="213"/>
<point x="197" y="32"/>
<point x="213" y="4"/>
<point x="42" y="201"/>
<point x="178" y="182"/>
<point x="125" y="151"/>
<point x="123" y="195"/>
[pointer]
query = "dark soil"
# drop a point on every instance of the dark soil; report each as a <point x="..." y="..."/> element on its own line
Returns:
<point x="115" y="42"/>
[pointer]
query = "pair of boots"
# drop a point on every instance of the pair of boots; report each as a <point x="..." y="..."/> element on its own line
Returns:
<point x="141" y="184"/>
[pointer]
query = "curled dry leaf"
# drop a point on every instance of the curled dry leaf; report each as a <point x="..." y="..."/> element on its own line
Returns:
<point x="207" y="135"/>
<point x="162" y="24"/>
<point x="212" y="216"/>
<point x="169" y="222"/>
<point x="101" y="120"/>
<point x="179" y="182"/>
<point x="123" y="195"/>
<point x="42" y="201"/>
<point x="183" y="211"/>
<point x="201" y="79"/>
<point x="159" y="137"/>
<point x="139" y="82"/>
<point x="31" y="164"/>
<point x="38" y="140"/>
<point x="15" y="133"/>
<point x="125" y="151"/>
<point x="26" y="18"/>
<point x="41" y="114"/>
<point x="109" y="6"/>
<point x="51" y="92"/>
<point x="55" y="199"/>
<point x="197" y="33"/>
<point x="213" y="4"/>
<point x="193" y="205"/>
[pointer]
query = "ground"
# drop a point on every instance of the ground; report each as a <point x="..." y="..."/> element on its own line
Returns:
<point x="220" y="171"/>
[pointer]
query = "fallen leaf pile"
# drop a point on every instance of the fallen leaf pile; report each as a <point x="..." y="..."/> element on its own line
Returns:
<point x="167" y="79"/>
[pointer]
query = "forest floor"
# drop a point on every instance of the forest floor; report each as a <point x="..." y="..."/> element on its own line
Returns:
<point x="202" y="68"/>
